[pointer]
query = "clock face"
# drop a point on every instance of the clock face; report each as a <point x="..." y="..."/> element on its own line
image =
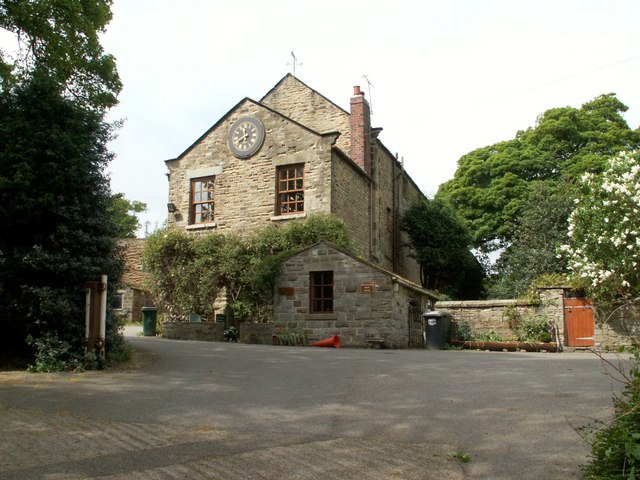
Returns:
<point x="246" y="137"/>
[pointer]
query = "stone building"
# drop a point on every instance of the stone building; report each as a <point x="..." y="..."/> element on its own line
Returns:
<point x="290" y="154"/>
<point x="132" y="294"/>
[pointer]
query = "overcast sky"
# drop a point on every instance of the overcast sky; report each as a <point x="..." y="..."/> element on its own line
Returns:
<point x="446" y="76"/>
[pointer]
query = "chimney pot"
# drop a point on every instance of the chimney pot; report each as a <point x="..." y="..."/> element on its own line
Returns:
<point x="356" y="91"/>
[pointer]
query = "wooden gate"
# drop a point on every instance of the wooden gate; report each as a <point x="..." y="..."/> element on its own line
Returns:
<point x="579" y="324"/>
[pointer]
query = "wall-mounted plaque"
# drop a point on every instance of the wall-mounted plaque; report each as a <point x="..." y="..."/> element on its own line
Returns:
<point x="367" y="287"/>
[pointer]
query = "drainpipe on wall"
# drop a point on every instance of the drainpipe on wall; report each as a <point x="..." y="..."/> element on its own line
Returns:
<point x="396" y="194"/>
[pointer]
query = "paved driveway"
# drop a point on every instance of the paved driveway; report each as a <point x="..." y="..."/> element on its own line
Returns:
<point x="231" y="411"/>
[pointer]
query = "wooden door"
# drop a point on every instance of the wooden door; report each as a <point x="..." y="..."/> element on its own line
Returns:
<point x="416" y="326"/>
<point x="579" y="323"/>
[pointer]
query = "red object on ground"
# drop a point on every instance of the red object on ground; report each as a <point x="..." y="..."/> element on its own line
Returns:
<point x="328" y="342"/>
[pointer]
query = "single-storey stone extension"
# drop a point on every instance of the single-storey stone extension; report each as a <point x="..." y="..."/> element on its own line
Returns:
<point x="325" y="291"/>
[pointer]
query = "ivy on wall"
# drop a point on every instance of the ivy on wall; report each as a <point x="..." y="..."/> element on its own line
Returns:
<point x="187" y="272"/>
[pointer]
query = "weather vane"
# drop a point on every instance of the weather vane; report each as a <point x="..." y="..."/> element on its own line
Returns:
<point x="294" y="63"/>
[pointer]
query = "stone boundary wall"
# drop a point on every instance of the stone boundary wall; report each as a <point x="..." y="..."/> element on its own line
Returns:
<point x="257" y="333"/>
<point x="206" y="331"/>
<point x="486" y="315"/>
<point x="616" y="329"/>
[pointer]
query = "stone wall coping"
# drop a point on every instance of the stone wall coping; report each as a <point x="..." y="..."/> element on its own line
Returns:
<point x="205" y="331"/>
<point x="485" y="304"/>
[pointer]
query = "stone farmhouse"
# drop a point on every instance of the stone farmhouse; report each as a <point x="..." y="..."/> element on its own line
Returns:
<point x="290" y="154"/>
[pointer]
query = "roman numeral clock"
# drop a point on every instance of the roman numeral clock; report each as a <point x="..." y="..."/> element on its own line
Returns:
<point x="246" y="136"/>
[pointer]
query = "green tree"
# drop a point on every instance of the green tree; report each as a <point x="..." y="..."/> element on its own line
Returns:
<point x="61" y="38"/>
<point x="491" y="183"/>
<point x="54" y="199"/>
<point x="604" y="237"/>
<point x="124" y="213"/>
<point x="441" y="244"/>
<point x="538" y="234"/>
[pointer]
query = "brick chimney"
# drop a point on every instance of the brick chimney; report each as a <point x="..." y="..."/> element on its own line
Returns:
<point x="360" y="149"/>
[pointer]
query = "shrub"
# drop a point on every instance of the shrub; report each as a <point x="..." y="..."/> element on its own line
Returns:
<point x="528" y="328"/>
<point x="292" y="337"/>
<point x="604" y="251"/>
<point x="615" y="447"/>
<point x="117" y="348"/>
<point x="465" y="333"/>
<point x="55" y="354"/>
<point x="489" y="336"/>
<point x="531" y="328"/>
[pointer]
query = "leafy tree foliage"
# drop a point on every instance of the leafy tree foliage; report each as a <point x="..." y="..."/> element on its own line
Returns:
<point x="54" y="193"/>
<point x="491" y="183"/>
<point x="124" y="214"/>
<point x="604" y="251"/>
<point x="188" y="272"/>
<point x="441" y="244"/>
<point x="539" y="233"/>
<point x="54" y="198"/>
<point x="604" y="236"/>
<point x="61" y="37"/>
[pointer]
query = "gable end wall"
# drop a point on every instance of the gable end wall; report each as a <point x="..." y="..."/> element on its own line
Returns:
<point x="245" y="188"/>
<point x="295" y="100"/>
<point x="357" y="316"/>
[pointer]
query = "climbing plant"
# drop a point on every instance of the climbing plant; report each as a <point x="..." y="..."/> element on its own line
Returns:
<point x="188" y="272"/>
